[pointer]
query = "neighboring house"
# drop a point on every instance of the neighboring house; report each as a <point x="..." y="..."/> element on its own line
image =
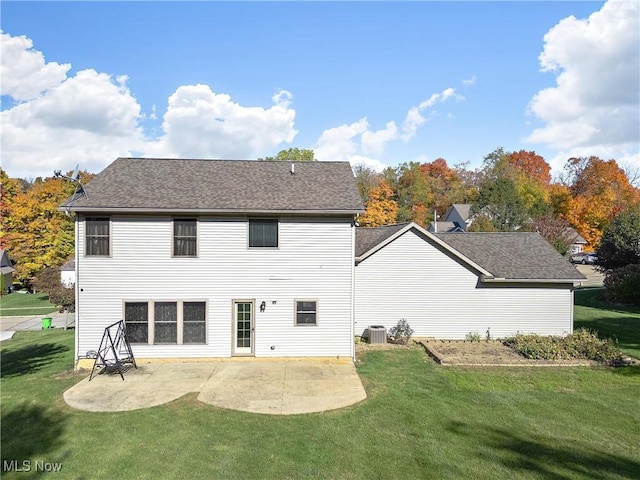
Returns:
<point x="447" y="285"/>
<point x="6" y="271"/>
<point x="577" y="241"/>
<point x="68" y="273"/>
<point x="457" y="219"/>
<point x="216" y="258"/>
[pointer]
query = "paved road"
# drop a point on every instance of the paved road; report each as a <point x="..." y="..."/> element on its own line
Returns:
<point x="9" y="325"/>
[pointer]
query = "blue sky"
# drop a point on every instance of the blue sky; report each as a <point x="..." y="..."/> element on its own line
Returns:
<point x="377" y="83"/>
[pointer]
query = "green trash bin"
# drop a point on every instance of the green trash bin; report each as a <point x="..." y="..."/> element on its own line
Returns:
<point x="46" y="322"/>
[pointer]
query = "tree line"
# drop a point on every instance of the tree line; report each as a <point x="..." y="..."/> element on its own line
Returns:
<point x="511" y="191"/>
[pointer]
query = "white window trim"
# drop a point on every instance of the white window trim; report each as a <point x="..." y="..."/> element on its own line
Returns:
<point x="249" y="220"/>
<point x="180" y="320"/>
<point x="84" y="248"/>
<point x="295" y="312"/>
<point x="173" y="237"/>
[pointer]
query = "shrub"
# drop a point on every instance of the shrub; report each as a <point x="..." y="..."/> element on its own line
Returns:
<point x="623" y="284"/>
<point x="48" y="280"/>
<point x="401" y="333"/>
<point x="582" y="344"/>
<point x="472" y="336"/>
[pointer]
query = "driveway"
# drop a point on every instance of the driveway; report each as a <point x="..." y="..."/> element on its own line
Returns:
<point x="279" y="387"/>
<point x="594" y="277"/>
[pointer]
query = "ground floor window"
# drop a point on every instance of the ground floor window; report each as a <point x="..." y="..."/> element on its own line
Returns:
<point x="178" y="322"/>
<point x="306" y="312"/>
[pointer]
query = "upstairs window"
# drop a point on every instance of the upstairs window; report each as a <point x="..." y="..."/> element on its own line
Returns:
<point x="263" y="233"/>
<point x="97" y="237"/>
<point x="185" y="237"/>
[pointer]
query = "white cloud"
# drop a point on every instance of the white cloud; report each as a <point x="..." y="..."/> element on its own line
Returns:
<point x="357" y="144"/>
<point x="374" y="142"/>
<point x="91" y="118"/>
<point x="200" y="123"/>
<point x="24" y="72"/>
<point x="469" y="81"/>
<point x="594" y="109"/>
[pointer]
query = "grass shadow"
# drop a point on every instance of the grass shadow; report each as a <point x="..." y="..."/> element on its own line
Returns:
<point x="31" y="431"/>
<point x="29" y="359"/>
<point x="547" y="457"/>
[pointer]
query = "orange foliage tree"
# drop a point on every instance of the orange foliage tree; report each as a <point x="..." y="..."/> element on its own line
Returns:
<point x="37" y="234"/>
<point x="599" y="191"/>
<point x="381" y="207"/>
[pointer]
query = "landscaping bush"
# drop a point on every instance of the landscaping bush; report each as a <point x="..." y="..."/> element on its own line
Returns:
<point x="582" y="344"/>
<point x="401" y="333"/>
<point x="623" y="284"/>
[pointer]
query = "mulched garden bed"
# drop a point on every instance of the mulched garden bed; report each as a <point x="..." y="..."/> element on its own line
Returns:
<point x="483" y="353"/>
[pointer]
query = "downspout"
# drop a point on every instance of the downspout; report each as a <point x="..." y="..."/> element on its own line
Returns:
<point x="353" y="290"/>
<point x="77" y="293"/>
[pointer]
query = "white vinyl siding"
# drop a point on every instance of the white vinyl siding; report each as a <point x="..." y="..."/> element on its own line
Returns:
<point x="439" y="297"/>
<point x="314" y="261"/>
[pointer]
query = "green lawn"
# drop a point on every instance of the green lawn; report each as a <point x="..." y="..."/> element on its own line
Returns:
<point x="17" y="304"/>
<point x="619" y="322"/>
<point x="420" y="421"/>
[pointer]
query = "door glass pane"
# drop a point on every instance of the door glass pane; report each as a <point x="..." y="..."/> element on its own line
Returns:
<point x="243" y="325"/>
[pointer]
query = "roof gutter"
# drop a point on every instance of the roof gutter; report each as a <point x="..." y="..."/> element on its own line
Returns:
<point x="486" y="279"/>
<point x="205" y="211"/>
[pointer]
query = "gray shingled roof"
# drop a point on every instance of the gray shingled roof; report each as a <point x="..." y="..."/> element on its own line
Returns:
<point x="146" y="184"/>
<point x="513" y="255"/>
<point x="369" y="237"/>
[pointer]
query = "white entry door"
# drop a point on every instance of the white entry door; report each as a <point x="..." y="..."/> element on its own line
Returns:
<point x="243" y="327"/>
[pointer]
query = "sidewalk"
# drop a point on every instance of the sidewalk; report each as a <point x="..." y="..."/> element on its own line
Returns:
<point x="9" y="325"/>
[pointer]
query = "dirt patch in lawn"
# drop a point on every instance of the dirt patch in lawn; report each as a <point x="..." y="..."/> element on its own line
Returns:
<point x="460" y="352"/>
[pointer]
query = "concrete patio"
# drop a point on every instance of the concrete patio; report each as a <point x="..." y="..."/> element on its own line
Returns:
<point x="278" y="387"/>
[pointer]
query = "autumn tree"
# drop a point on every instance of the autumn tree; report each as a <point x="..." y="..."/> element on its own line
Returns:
<point x="366" y="180"/>
<point x="498" y="199"/>
<point x="529" y="173"/>
<point x="292" y="155"/>
<point x="38" y="234"/>
<point x="9" y="188"/>
<point x="381" y="207"/>
<point x="554" y="230"/>
<point x="599" y="191"/>
<point x="423" y="188"/>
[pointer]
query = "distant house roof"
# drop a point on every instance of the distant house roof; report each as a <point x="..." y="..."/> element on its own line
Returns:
<point x="69" y="265"/>
<point x="463" y="210"/>
<point x="445" y="227"/>
<point x="6" y="266"/>
<point x="517" y="256"/>
<point x="574" y="237"/>
<point x="221" y="186"/>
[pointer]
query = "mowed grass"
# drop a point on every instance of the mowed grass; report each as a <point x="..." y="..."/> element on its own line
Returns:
<point x="618" y="322"/>
<point x="420" y="420"/>
<point x="18" y="304"/>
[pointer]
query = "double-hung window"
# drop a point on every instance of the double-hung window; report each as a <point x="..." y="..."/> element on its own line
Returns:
<point x="175" y="322"/>
<point x="97" y="236"/>
<point x="263" y="233"/>
<point x="306" y="312"/>
<point x="185" y="237"/>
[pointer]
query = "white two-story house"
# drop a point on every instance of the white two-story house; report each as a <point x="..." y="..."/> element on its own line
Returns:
<point x="217" y="258"/>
